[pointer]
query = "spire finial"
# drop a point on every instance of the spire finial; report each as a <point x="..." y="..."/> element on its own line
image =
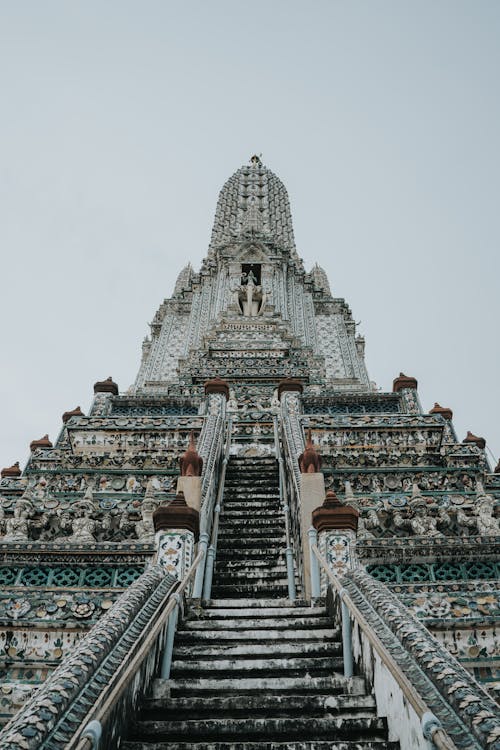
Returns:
<point x="256" y="159"/>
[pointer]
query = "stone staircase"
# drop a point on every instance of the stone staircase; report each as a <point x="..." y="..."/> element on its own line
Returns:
<point x="254" y="672"/>
<point x="250" y="558"/>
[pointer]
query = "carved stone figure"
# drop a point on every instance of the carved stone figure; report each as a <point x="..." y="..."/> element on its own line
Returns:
<point x="144" y="529"/>
<point x="420" y="523"/>
<point x="82" y="525"/>
<point x="232" y="404"/>
<point x="17" y="528"/>
<point x="487" y="524"/>
<point x="370" y="520"/>
<point x="250" y="296"/>
<point x="464" y="522"/>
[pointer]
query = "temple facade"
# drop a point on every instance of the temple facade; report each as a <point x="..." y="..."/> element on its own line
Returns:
<point x="253" y="546"/>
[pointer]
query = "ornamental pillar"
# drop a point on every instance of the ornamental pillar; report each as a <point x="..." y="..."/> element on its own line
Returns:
<point x="336" y="525"/>
<point x="407" y="387"/>
<point x="176" y="533"/>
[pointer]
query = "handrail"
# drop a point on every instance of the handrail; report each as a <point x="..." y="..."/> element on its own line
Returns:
<point x="211" y="552"/>
<point x="140" y="650"/>
<point x="292" y="594"/>
<point x="439" y="736"/>
<point x="209" y="484"/>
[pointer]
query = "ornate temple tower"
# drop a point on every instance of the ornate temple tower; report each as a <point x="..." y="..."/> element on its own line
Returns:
<point x="250" y="475"/>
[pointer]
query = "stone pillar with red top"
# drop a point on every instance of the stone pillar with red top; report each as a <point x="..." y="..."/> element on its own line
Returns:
<point x="191" y="466"/>
<point x="406" y="386"/>
<point x="446" y="413"/>
<point x="177" y="528"/>
<point x="104" y="390"/>
<point x="336" y="525"/>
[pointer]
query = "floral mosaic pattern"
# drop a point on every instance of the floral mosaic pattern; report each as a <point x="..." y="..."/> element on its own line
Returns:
<point x="175" y="552"/>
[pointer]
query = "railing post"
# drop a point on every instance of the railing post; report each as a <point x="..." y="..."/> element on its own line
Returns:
<point x="315" y="577"/>
<point x="166" y="663"/>
<point x="200" y="573"/>
<point x="209" y="572"/>
<point x="292" y="593"/>
<point x="346" y="636"/>
<point x="93" y="732"/>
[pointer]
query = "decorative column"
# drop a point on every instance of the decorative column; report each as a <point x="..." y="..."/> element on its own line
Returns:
<point x="177" y="530"/>
<point x="407" y="387"/>
<point x="312" y="492"/>
<point x="189" y="482"/>
<point x="336" y="525"/>
<point x="447" y="414"/>
<point x="104" y="390"/>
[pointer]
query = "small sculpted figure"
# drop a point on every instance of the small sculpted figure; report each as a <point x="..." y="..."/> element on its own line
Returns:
<point x="232" y="404"/>
<point x="17" y="528"/>
<point x="487" y="524"/>
<point x="275" y="402"/>
<point x="252" y="295"/>
<point x="420" y="523"/>
<point x="309" y="460"/>
<point x="463" y="521"/>
<point x="366" y="522"/>
<point x="145" y="529"/>
<point x="82" y="525"/>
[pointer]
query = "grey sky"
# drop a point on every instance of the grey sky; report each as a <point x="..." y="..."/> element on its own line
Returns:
<point x="120" y="121"/>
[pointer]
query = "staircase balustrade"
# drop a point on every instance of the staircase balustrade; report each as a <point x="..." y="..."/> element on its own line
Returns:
<point x="211" y="449"/>
<point x="109" y="668"/>
<point x="292" y="446"/>
<point x="292" y="594"/>
<point x="212" y="550"/>
<point x="387" y="642"/>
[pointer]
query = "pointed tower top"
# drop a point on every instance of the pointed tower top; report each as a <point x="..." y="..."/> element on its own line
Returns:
<point x="253" y="199"/>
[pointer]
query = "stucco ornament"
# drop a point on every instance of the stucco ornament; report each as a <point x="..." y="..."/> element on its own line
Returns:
<point x="82" y="525"/>
<point x="487" y="524"/>
<point x="144" y="529"/>
<point x="17" y="528"/>
<point x="420" y="523"/>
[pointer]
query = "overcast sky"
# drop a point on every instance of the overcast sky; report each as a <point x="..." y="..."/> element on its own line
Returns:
<point x="120" y="121"/>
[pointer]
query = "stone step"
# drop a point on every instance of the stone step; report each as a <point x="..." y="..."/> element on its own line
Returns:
<point x="197" y="635"/>
<point x="247" y="563"/>
<point x="257" y="603"/>
<point x="262" y="553"/>
<point x="263" y="745"/>
<point x="270" y="540"/>
<point x="318" y="665"/>
<point x="245" y="579"/>
<point x="278" y="649"/>
<point x="244" y="589"/>
<point x="226" y="575"/>
<point x="265" y="492"/>
<point x="256" y="478"/>
<point x="334" y="683"/>
<point x="237" y="478"/>
<point x="255" y="705"/>
<point x="332" y="727"/>
<point x="268" y="530"/>
<point x="269" y="610"/>
<point x="265" y="514"/>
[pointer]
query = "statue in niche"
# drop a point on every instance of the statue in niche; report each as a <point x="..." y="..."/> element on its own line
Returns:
<point x="251" y="298"/>
<point x="145" y="528"/>
<point x="420" y="523"/>
<point x="487" y="524"/>
<point x="232" y="404"/>
<point x="367" y="521"/>
<point x="83" y="527"/>
<point x="17" y="527"/>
